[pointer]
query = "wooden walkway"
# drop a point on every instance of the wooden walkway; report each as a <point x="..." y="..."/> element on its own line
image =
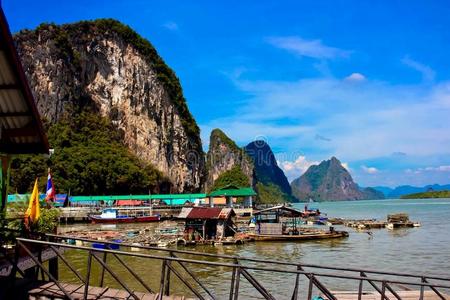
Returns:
<point x="404" y="295"/>
<point x="50" y="290"/>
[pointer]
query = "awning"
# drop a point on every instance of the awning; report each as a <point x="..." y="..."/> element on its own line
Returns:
<point x="128" y="203"/>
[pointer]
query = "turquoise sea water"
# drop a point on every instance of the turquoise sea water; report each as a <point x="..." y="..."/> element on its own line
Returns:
<point x="424" y="250"/>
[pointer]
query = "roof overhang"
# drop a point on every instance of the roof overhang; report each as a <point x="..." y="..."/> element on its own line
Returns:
<point x="21" y="130"/>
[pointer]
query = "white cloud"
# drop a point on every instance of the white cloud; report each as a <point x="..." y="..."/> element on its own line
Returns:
<point x="294" y="169"/>
<point x="308" y="48"/>
<point x="355" y="77"/>
<point x="370" y="170"/>
<point x="345" y="165"/>
<point x="364" y="121"/>
<point x="170" y="25"/>
<point x="428" y="73"/>
<point x="437" y="169"/>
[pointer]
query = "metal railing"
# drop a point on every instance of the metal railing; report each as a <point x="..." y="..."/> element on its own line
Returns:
<point x="184" y="269"/>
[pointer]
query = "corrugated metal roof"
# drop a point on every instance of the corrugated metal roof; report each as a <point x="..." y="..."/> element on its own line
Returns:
<point x="205" y="213"/>
<point x="282" y="208"/>
<point x="128" y="202"/>
<point x="21" y="129"/>
<point x="184" y="212"/>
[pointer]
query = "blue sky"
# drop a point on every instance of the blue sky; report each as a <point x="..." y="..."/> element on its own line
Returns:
<point x="365" y="81"/>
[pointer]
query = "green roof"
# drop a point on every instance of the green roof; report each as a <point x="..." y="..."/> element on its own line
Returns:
<point x="137" y="197"/>
<point x="233" y="192"/>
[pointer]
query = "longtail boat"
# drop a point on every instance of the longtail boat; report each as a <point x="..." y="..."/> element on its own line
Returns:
<point x="299" y="237"/>
<point x="125" y="215"/>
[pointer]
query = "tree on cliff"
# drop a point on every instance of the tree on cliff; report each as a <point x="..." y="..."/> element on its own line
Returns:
<point x="89" y="159"/>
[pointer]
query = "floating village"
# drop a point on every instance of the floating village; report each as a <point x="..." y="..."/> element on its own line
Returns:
<point x="225" y="216"/>
<point x="151" y="247"/>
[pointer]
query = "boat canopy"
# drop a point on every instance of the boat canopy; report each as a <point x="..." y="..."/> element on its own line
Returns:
<point x="280" y="210"/>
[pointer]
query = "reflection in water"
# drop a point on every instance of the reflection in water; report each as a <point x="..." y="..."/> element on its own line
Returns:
<point x="412" y="250"/>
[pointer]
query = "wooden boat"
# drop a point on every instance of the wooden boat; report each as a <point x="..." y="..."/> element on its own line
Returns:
<point x="125" y="215"/>
<point x="299" y="237"/>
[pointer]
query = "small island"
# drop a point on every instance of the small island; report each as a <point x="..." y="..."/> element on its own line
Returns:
<point x="429" y="194"/>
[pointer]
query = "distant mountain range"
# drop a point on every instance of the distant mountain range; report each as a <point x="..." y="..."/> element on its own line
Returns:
<point x="408" y="189"/>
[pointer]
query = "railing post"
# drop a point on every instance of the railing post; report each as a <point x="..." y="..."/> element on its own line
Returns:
<point x="167" y="287"/>
<point x="422" y="288"/>
<point x="383" y="290"/>
<point x="434" y="289"/>
<point x="102" y="275"/>
<point x="40" y="260"/>
<point x="53" y="263"/>
<point x="297" y="278"/>
<point x="233" y="280"/>
<point x="88" y="275"/>
<point x="360" y="286"/>
<point x="163" y="279"/>
<point x="310" y="286"/>
<point x="238" y="277"/>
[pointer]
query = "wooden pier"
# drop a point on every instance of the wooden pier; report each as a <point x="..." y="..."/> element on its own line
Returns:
<point x="51" y="291"/>
<point x="404" y="295"/>
<point x="43" y="282"/>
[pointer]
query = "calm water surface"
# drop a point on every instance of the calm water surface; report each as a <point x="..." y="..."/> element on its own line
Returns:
<point x="423" y="250"/>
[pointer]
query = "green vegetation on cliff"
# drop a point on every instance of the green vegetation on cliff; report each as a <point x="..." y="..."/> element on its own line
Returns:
<point x="430" y="194"/>
<point x="218" y="136"/>
<point x="233" y="177"/>
<point x="89" y="159"/>
<point x="271" y="194"/>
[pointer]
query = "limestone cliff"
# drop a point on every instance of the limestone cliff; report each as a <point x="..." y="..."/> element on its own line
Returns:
<point x="106" y="65"/>
<point x="328" y="181"/>
<point x="271" y="182"/>
<point x="223" y="155"/>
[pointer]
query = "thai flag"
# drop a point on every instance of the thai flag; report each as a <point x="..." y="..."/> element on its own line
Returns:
<point x="50" y="194"/>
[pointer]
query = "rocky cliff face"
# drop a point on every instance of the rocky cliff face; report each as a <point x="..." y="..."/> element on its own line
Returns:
<point x="223" y="155"/>
<point x="327" y="181"/>
<point x="266" y="167"/>
<point x="105" y="65"/>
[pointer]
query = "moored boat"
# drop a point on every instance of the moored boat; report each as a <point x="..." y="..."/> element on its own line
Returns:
<point x="299" y="237"/>
<point x="281" y="223"/>
<point x="125" y="215"/>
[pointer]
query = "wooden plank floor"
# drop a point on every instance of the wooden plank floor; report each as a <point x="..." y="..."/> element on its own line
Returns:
<point x="404" y="295"/>
<point x="51" y="291"/>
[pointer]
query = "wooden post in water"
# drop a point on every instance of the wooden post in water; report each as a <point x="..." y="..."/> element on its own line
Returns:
<point x="204" y="230"/>
<point x="4" y="180"/>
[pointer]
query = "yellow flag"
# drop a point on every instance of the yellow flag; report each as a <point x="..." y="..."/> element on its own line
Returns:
<point x="34" y="211"/>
